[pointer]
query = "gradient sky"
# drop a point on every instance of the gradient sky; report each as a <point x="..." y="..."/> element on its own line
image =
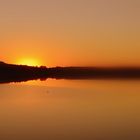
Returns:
<point x="70" y="32"/>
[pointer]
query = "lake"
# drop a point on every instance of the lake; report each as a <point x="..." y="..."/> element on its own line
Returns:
<point x="70" y="110"/>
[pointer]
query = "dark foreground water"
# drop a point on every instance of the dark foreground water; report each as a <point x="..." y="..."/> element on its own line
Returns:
<point x="70" y="110"/>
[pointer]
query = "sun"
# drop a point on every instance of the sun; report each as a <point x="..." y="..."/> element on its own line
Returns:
<point x="28" y="62"/>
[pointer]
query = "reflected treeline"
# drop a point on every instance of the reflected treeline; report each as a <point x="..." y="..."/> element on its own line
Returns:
<point x="19" y="73"/>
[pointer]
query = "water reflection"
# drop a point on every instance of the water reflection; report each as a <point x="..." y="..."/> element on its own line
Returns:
<point x="77" y="110"/>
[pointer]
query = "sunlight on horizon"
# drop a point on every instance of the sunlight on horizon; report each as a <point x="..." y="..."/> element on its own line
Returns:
<point x="29" y="62"/>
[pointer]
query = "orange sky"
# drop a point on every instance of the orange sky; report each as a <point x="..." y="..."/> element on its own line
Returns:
<point x="74" y="32"/>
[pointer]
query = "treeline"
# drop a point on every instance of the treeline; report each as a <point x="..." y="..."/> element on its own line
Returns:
<point x="17" y="73"/>
<point x="13" y="73"/>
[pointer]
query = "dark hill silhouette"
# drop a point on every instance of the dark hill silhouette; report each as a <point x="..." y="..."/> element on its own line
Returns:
<point x="18" y="73"/>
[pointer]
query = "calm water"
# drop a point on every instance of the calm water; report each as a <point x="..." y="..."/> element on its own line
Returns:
<point x="70" y="110"/>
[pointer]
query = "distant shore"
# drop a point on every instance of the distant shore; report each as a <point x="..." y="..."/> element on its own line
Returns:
<point x="18" y="73"/>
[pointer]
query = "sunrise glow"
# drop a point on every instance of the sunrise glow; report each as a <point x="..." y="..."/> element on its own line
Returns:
<point x="29" y="62"/>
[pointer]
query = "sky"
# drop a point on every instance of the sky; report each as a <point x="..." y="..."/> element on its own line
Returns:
<point x="70" y="32"/>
